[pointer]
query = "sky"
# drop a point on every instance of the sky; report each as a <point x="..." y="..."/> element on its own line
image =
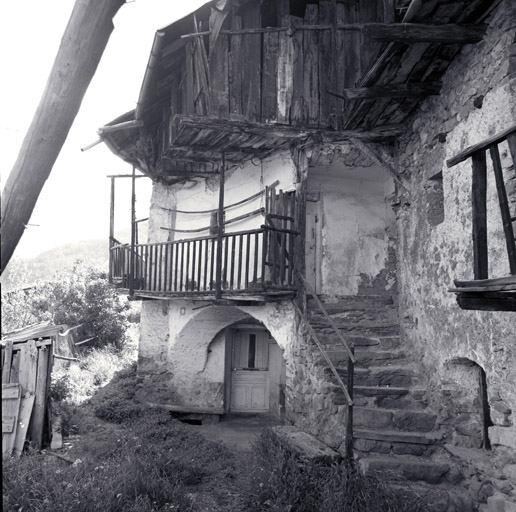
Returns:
<point x="74" y="203"/>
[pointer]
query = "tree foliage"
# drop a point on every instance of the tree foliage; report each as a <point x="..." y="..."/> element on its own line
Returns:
<point x="80" y="297"/>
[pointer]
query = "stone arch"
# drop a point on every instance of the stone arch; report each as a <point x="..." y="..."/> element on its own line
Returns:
<point x="198" y="356"/>
<point x="466" y="404"/>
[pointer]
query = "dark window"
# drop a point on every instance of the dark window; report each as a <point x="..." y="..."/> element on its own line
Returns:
<point x="252" y="351"/>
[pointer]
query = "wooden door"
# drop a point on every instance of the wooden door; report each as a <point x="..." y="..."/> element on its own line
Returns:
<point x="250" y="372"/>
<point x="313" y="244"/>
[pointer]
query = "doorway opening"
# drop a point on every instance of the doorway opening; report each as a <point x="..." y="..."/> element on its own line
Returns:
<point x="255" y="372"/>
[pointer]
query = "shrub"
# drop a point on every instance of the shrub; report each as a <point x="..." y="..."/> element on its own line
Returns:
<point x="282" y="482"/>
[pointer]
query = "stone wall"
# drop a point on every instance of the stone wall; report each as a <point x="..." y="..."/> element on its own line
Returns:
<point x="434" y="223"/>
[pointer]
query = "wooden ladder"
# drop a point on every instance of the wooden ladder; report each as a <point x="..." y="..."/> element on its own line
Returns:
<point x="346" y="388"/>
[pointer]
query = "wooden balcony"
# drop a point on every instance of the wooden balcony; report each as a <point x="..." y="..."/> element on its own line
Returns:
<point x="248" y="265"/>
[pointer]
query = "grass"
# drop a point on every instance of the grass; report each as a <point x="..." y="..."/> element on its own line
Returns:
<point x="282" y="482"/>
<point x="137" y="460"/>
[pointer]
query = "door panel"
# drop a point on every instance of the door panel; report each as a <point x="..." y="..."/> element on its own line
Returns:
<point x="250" y="372"/>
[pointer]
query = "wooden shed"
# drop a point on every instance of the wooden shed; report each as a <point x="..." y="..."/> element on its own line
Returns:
<point x="27" y="361"/>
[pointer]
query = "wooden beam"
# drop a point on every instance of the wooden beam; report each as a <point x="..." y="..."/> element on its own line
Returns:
<point x="286" y="131"/>
<point x="479" y="302"/>
<point x="82" y="46"/>
<point x="420" y="33"/>
<point x="495" y="139"/>
<point x="382" y="161"/>
<point x="504" y="207"/>
<point x="479" y="206"/>
<point x="411" y="90"/>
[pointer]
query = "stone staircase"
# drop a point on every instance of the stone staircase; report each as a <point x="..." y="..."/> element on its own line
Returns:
<point x="394" y="431"/>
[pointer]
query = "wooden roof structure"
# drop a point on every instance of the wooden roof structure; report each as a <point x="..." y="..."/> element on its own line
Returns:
<point x="245" y="78"/>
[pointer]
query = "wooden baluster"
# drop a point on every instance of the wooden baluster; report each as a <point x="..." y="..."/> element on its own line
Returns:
<point x="181" y="271"/>
<point x="194" y="261"/>
<point x="212" y="265"/>
<point x="240" y="249"/>
<point x="225" y="265"/>
<point x="160" y="265"/>
<point x="187" y="267"/>
<point x="247" y="260"/>
<point x="479" y="212"/>
<point x="206" y="252"/>
<point x="255" y="263"/>
<point x="165" y="273"/>
<point x="199" y="266"/>
<point x="504" y="208"/>
<point x="176" y="264"/>
<point x="264" y="255"/>
<point x="232" y="268"/>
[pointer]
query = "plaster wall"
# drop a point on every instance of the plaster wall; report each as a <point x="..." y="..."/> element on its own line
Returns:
<point x="477" y="100"/>
<point x="188" y="344"/>
<point x="198" y="195"/>
<point x="356" y="229"/>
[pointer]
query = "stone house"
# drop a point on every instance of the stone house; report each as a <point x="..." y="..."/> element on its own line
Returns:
<point x="321" y="188"/>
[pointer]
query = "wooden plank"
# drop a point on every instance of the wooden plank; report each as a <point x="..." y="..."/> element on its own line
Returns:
<point x="420" y="33"/>
<point x="311" y="67"/>
<point x="10" y="409"/>
<point x="479" y="213"/>
<point x="390" y="91"/>
<point x="10" y="391"/>
<point x="504" y="208"/>
<point x="297" y="108"/>
<point x="219" y="78"/>
<point x="252" y="57"/>
<point x="270" y="77"/>
<point x="495" y="139"/>
<point x="327" y="75"/>
<point x="7" y="362"/>
<point x="189" y="78"/>
<point x="40" y="404"/>
<point x="8" y="424"/>
<point x="235" y="70"/>
<point x="285" y="73"/>
<point x="22" y="427"/>
<point x="480" y="303"/>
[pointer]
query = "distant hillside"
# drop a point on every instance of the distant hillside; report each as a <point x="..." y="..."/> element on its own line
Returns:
<point x="24" y="272"/>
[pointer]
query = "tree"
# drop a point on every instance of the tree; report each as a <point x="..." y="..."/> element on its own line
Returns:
<point x="82" y="297"/>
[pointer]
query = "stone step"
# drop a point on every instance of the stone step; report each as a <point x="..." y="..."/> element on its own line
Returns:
<point x="441" y="498"/>
<point x="335" y="304"/>
<point x="331" y="341"/>
<point x="395" y="436"/>
<point x="410" y="469"/>
<point x="366" y="358"/>
<point x="393" y="419"/>
<point x="396" y="376"/>
<point x="323" y="329"/>
<point x="384" y="397"/>
<point x="395" y="442"/>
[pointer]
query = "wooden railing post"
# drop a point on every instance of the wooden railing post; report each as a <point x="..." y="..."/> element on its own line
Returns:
<point x="349" y="425"/>
<point x="478" y="196"/>
<point x="220" y="232"/>
<point x="133" y="231"/>
<point x="111" y="229"/>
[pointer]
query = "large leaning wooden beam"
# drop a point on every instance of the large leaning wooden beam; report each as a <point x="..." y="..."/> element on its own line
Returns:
<point x="82" y="46"/>
<point x="413" y="90"/>
<point x="420" y="33"/>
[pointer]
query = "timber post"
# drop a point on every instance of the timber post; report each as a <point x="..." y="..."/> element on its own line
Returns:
<point x="133" y="232"/>
<point x="220" y="231"/>
<point x="111" y="228"/>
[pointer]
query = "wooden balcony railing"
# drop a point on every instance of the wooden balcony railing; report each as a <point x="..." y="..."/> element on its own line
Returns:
<point x="252" y="261"/>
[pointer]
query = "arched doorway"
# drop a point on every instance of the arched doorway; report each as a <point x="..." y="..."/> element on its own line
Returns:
<point x="225" y="359"/>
